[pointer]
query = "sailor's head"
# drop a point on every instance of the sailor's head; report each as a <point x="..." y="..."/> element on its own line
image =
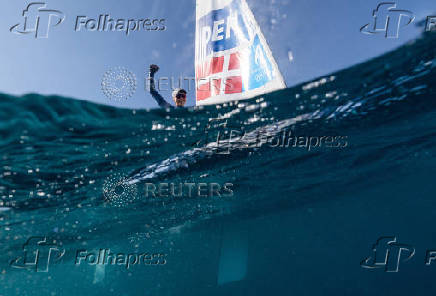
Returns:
<point x="179" y="97"/>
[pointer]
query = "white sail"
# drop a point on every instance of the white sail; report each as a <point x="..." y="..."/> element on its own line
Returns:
<point x="232" y="59"/>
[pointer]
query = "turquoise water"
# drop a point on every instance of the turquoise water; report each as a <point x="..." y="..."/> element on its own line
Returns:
<point x="298" y="222"/>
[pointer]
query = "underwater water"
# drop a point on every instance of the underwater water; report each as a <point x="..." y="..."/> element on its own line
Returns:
<point x="315" y="175"/>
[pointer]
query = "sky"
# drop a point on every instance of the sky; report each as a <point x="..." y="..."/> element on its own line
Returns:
<point x="308" y="38"/>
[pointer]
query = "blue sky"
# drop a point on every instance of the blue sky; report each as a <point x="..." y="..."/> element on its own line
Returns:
<point x="323" y="37"/>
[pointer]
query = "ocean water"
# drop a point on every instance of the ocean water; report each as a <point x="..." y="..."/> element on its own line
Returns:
<point x="317" y="174"/>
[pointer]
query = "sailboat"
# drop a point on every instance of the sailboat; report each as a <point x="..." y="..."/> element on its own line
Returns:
<point x="232" y="58"/>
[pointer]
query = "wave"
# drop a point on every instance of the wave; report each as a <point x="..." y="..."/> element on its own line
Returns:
<point x="58" y="152"/>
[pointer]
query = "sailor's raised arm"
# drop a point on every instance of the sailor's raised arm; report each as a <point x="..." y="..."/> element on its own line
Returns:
<point x="159" y="99"/>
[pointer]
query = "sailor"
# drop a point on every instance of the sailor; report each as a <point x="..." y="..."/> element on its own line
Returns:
<point x="179" y="95"/>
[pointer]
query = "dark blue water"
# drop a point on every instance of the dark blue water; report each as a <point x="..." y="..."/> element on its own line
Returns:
<point x="300" y="218"/>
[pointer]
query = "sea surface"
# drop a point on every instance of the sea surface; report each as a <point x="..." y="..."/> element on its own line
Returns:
<point x="317" y="174"/>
